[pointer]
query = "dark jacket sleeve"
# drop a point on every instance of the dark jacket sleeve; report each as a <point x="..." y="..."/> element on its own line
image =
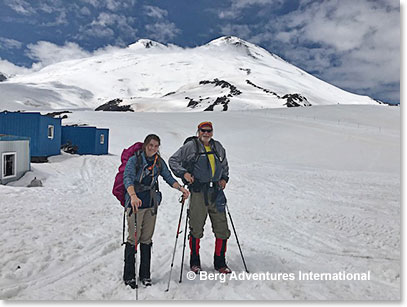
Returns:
<point x="129" y="175"/>
<point x="179" y="158"/>
<point x="166" y="174"/>
<point x="224" y="162"/>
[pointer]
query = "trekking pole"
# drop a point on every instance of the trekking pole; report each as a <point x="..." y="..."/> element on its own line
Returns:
<point x="176" y="239"/>
<point x="237" y="239"/>
<point x="135" y="253"/>
<point x="124" y="225"/>
<point x="124" y="220"/>
<point x="185" y="239"/>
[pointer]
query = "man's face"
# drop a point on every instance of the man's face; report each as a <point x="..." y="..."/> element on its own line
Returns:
<point x="205" y="134"/>
<point x="152" y="148"/>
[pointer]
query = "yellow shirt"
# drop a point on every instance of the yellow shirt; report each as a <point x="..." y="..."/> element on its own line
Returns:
<point x="211" y="159"/>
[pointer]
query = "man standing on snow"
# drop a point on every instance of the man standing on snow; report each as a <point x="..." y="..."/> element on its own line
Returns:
<point x="201" y="163"/>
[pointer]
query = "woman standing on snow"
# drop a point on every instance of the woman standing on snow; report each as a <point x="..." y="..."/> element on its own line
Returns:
<point x="140" y="179"/>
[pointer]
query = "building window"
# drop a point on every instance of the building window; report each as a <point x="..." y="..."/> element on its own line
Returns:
<point x="51" y="132"/>
<point x="102" y="139"/>
<point x="9" y="161"/>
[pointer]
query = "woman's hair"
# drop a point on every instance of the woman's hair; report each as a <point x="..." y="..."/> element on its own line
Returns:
<point x="148" y="139"/>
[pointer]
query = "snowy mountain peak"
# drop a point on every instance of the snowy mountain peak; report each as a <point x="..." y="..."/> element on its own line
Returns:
<point x="236" y="43"/>
<point x="226" y="74"/>
<point x="228" y="40"/>
<point x="145" y="44"/>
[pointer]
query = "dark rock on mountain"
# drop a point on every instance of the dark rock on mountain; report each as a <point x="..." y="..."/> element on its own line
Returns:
<point x="296" y="100"/>
<point x="192" y="103"/>
<point x="2" y="77"/>
<point x="113" y="105"/>
<point x="220" y="100"/>
<point x="169" y="94"/>
<point x="55" y="114"/>
<point x="223" y="84"/>
<point x="247" y="70"/>
<point x="263" y="89"/>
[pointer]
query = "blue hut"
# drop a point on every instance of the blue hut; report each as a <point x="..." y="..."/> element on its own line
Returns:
<point x="14" y="157"/>
<point x="86" y="140"/>
<point x="44" y="132"/>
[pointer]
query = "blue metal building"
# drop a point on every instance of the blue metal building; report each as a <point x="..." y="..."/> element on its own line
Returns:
<point x="14" y="157"/>
<point x="89" y="140"/>
<point x="44" y="131"/>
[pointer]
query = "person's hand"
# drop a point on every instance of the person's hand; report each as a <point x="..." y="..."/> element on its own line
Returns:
<point x="222" y="184"/>
<point x="135" y="202"/>
<point x="185" y="192"/>
<point x="188" y="177"/>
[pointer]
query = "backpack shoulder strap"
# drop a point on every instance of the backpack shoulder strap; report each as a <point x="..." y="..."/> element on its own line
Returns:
<point x="213" y="147"/>
<point x="139" y="161"/>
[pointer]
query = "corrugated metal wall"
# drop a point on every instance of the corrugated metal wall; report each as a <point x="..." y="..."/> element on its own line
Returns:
<point x="87" y="139"/>
<point x="83" y="137"/>
<point x="21" y="125"/>
<point x="35" y="126"/>
<point x="102" y="149"/>
<point x="22" y="150"/>
<point x="49" y="147"/>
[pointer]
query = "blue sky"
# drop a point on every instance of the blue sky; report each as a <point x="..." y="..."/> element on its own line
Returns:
<point x="353" y="44"/>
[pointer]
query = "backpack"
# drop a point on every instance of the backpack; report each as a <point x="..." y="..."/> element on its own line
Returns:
<point x="190" y="165"/>
<point x="118" y="186"/>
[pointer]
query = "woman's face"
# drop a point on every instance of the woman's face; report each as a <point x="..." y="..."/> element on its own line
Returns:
<point x="152" y="148"/>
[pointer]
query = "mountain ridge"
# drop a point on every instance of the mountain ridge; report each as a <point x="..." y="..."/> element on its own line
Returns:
<point x="150" y="76"/>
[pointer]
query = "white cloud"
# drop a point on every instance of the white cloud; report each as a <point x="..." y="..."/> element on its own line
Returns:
<point x="155" y="12"/>
<point x="20" y="6"/>
<point x="237" y="6"/>
<point x="162" y="31"/>
<point x="112" y="5"/>
<point x="105" y="26"/>
<point x="11" y="69"/>
<point x="47" y="53"/>
<point x="7" y="43"/>
<point x="242" y="31"/>
<point x="361" y="38"/>
<point x="85" y="11"/>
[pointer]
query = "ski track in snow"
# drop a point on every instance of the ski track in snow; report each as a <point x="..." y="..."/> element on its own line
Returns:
<point x="293" y="209"/>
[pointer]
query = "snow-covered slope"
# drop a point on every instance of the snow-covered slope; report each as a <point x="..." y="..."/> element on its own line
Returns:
<point x="225" y="74"/>
<point x="311" y="189"/>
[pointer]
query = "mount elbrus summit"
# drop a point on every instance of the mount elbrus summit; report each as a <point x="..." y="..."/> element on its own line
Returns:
<point x="225" y="74"/>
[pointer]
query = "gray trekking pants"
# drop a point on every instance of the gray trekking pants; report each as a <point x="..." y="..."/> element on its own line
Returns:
<point x="198" y="212"/>
<point x="145" y="226"/>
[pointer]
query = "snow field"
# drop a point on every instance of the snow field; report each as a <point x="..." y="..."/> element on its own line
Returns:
<point x="305" y="194"/>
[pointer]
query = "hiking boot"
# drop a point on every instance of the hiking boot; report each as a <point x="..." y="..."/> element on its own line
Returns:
<point x="196" y="269"/>
<point x="219" y="260"/>
<point x="146" y="282"/>
<point x="131" y="283"/>
<point x="224" y="270"/>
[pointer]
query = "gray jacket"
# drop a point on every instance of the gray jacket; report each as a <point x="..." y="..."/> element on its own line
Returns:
<point x="187" y="159"/>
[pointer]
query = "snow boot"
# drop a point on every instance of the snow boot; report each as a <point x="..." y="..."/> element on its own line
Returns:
<point x="129" y="265"/>
<point x="195" y="261"/>
<point x="145" y="263"/>
<point x="219" y="257"/>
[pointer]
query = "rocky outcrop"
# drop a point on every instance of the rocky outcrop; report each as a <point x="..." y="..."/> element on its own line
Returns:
<point x="2" y="77"/>
<point x="114" y="105"/>
<point x="295" y="100"/>
<point x="223" y="84"/>
<point x="263" y="89"/>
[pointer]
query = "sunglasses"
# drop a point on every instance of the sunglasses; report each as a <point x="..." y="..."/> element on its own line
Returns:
<point x="206" y="130"/>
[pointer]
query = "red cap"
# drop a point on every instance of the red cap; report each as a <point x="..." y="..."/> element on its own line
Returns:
<point x="205" y="124"/>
